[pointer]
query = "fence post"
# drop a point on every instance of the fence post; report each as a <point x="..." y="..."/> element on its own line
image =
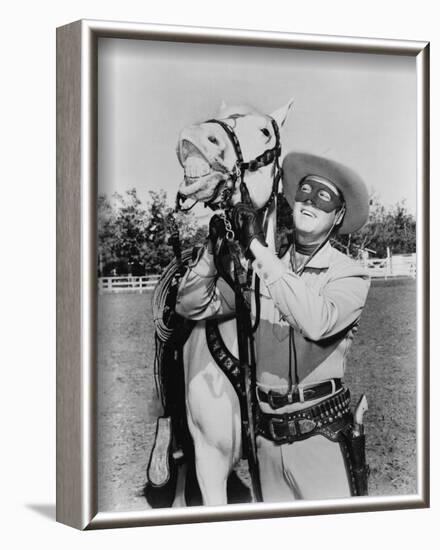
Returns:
<point x="389" y="263"/>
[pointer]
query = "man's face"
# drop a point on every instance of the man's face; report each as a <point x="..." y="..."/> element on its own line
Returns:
<point x="316" y="207"/>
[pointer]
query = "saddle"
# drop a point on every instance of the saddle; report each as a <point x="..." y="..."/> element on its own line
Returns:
<point x="172" y="443"/>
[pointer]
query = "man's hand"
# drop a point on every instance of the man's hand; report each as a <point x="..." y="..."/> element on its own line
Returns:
<point x="247" y="227"/>
<point x="216" y="232"/>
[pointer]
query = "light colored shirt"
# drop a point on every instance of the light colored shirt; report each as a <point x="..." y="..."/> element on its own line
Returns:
<point x="322" y="305"/>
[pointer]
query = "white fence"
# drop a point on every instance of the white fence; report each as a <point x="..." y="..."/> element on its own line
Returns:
<point x="403" y="265"/>
<point x="127" y="284"/>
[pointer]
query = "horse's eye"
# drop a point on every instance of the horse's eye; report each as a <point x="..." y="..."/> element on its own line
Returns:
<point x="213" y="140"/>
<point x="265" y="132"/>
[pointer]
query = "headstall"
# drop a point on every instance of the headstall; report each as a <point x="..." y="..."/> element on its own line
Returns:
<point x="238" y="171"/>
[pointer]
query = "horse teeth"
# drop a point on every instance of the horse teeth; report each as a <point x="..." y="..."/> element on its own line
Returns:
<point x="195" y="167"/>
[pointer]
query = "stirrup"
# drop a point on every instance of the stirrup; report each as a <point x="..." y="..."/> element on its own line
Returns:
<point x="159" y="466"/>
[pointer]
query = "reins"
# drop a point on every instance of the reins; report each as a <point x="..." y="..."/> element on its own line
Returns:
<point x="241" y="281"/>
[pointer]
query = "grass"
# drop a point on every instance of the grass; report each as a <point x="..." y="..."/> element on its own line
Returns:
<point x="382" y="364"/>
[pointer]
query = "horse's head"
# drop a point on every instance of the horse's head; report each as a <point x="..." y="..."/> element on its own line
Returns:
<point x="208" y="155"/>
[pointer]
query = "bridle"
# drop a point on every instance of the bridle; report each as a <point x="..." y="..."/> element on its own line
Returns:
<point x="241" y="283"/>
<point x="237" y="174"/>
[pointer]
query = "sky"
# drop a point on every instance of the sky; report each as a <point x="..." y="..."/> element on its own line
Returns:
<point x="359" y="109"/>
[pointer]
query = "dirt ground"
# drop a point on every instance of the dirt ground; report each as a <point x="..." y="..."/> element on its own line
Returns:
<point x="382" y="364"/>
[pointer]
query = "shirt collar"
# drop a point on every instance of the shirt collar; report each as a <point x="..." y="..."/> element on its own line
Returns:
<point x="321" y="260"/>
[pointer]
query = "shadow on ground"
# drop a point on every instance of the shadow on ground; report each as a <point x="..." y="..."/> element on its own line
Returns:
<point x="46" y="510"/>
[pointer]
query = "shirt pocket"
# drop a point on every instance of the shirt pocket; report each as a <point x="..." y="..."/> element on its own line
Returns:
<point x="272" y="325"/>
<point x="280" y="331"/>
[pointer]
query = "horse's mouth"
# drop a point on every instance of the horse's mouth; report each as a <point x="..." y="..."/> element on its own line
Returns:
<point x="203" y="188"/>
<point x="201" y="177"/>
<point x="194" y="162"/>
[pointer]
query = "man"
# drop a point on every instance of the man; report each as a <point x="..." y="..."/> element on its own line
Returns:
<point x="310" y="303"/>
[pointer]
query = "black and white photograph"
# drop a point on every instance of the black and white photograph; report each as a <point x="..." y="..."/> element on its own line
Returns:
<point x="218" y="240"/>
<point x="257" y="275"/>
<point x="219" y="274"/>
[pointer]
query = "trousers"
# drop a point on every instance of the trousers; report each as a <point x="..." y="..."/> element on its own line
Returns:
<point x="310" y="469"/>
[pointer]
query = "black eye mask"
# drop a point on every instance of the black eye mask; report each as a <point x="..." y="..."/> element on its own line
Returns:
<point x="315" y="192"/>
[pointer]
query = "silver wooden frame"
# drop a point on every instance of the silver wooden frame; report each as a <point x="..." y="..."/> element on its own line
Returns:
<point x="77" y="283"/>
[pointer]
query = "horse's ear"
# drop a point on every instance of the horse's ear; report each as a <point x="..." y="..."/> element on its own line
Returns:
<point x="222" y="106"/>
<point x="281" y="114"/>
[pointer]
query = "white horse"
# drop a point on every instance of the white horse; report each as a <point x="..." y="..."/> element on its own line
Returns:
<point x="208" y="157"/>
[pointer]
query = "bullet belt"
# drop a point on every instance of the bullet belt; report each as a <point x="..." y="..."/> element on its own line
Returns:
<point x="299" y="395"/>
<point x="298" y="425"/>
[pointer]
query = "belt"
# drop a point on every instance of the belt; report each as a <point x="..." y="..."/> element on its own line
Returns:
<point x="299" y="395"/>
<point x="290" y="427"/>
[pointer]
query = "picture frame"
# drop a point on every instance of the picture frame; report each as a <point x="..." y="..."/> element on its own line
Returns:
<point x="77" y="284"/>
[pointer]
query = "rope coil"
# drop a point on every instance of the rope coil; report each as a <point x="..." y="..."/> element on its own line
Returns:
<point x="163" y="311"/>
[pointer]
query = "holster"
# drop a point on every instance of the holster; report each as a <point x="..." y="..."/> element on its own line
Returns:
<point x="353" y="448"/>
<point x="330" y="418"/>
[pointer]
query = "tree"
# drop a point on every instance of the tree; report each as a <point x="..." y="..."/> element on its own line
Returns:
<point x="156" y="251"/>
<point x="393" y="227"/>
<point x="133" y="239"/>
<point x="159" y="251"/>
<point x="130" y="228"/>
<point x="107" y="237"/>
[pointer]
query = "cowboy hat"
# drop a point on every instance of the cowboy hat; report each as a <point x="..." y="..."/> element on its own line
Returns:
<point x="297" y="166"/>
